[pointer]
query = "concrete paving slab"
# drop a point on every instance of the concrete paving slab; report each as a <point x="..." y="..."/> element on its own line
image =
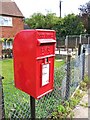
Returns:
<point x="81" y="111"/>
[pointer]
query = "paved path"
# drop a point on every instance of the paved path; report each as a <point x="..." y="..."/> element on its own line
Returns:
<point x="82" y="111"/>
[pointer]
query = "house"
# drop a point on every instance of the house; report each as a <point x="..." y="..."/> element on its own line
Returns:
<point x="11" y="22"/>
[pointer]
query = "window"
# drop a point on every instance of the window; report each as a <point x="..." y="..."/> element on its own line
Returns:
<point x="5" y="21"/>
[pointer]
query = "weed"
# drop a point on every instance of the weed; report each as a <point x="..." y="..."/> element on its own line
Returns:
<point x="78" y="94"/>
<point x="87" y="80"/>
<point x="84" y="104"/>
<point x="83" y="86"/>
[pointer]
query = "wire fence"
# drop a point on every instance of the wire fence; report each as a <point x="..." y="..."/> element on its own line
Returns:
<point x="86" y="64"/>
<point x="16" y="104"/>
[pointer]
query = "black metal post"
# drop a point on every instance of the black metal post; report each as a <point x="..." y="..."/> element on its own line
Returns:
<point x="79" y="49"/>
<point x="83" y="64"/>
<point x="32" y="102"/>
<point x="68" y="77"/>
<point x="2" y="111"/>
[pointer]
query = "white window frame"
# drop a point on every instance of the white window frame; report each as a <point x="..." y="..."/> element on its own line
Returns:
<point x="6" y="21"/>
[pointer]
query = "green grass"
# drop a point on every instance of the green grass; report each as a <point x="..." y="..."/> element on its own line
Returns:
<point x="15" y="100"/>
<point x="59" y="63"/>
<point x="7" y="68"/>
<point x="12" y="96"/>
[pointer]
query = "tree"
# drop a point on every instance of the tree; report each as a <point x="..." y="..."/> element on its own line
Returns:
<point x="37" y="20"/>
<point x="85" y="15"/>
<point x="40" y="21"/>
<point x="85" y="9"/>
<point x="69" y="25"/>
<point x="73" y="25"/>
<point x="50" y="20"/>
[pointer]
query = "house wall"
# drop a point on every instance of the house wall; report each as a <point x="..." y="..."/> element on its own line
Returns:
<point x="9" y="32"/>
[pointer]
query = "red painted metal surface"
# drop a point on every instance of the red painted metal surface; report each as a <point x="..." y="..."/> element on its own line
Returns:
<point x="34" y="52"/>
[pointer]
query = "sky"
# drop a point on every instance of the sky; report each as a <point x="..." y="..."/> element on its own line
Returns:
<point x="28" y="7"/>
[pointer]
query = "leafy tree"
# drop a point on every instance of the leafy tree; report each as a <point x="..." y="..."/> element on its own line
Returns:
<point x="68" y="25"/>
<point x="85" y="13"/>
<point x="40" y="21"/>
<point x="73" y="25"/>
<point x="85" y="9"/>
<point x="50" y="20"/>
<point x="37" y="20"/>
<point x="59" y="28"/>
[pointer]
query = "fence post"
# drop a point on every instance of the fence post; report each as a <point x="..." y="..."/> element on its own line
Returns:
<point x="89" y="82"/>
<point x="88" y="40"/>
<point x="79" y="48"/>
<point x="89" y="63"/>
<point x="2" y="114"/>
<point x="68" y="77"/>
<point x="66" y="43"/>
<point x="83" y="63"/>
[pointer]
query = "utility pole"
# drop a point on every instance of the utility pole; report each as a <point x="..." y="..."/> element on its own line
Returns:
<point x="60" y="7"/>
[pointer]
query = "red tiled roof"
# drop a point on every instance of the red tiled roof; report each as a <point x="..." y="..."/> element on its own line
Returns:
<point x="10" y="9"/>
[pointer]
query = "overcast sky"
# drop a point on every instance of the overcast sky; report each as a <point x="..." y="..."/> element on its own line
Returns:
<point x="28" y="7"/>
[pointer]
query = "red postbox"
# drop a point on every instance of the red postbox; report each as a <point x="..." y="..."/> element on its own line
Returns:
<point x="34" y="52"/>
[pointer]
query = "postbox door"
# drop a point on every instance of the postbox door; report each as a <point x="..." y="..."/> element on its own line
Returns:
<point x="45" y="67"/>
<point x="45" y="76"/>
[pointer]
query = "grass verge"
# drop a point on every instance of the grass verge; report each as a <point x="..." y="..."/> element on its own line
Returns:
<point x="17" y="102"/>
